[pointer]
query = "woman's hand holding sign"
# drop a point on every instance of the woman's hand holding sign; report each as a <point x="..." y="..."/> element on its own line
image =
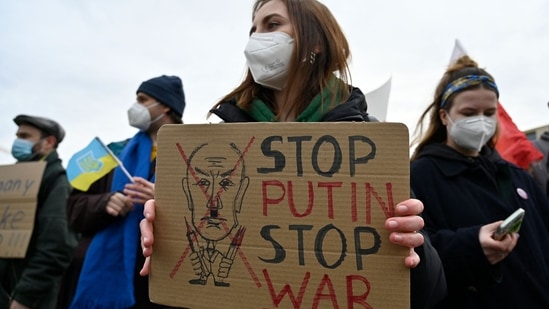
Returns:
<point x="404" y="226"/>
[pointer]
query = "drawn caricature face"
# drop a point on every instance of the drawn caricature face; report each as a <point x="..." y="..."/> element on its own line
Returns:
<point x="215" y="186"/>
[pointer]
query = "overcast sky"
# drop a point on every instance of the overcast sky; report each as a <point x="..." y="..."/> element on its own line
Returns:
<point x="80" y="62"/>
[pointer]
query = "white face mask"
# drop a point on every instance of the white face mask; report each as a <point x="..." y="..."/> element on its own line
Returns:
<point x="139" y="116"/>
<point x="268" y="56"/>
<point x="472" y="132"/>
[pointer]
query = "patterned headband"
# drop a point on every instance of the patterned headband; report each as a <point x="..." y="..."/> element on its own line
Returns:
<point x="466" y="82"/>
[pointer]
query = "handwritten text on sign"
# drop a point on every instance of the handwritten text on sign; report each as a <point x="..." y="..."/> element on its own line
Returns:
<point x="19" y="185"/>
<point x="296" y="216"/>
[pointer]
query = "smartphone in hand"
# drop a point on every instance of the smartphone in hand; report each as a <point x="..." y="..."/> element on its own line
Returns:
<point x="510" y="225"/>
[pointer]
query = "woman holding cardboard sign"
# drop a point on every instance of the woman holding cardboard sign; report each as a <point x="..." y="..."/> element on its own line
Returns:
<point x="468" y="189"/>
<point x="293" y="51"/>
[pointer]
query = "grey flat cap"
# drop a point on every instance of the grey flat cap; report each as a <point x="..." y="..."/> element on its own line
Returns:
<point x="46" y="125"/>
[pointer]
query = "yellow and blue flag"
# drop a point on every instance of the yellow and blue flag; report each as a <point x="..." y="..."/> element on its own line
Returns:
<point x="90" y="164"/>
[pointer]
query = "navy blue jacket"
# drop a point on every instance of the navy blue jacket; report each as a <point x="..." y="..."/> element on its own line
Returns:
<point x="460" y="195"/>
<point x="428" y="284"/>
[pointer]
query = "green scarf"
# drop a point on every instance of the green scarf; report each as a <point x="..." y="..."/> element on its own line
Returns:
<point x="316" y="110"/>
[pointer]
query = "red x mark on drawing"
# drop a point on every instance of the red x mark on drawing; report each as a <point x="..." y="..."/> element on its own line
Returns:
<point x="207" y="196"/>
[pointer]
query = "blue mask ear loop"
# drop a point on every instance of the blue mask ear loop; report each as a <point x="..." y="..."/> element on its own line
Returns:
<point x="44" y="155"/>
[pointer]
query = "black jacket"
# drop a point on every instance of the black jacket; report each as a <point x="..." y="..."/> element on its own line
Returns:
<point x="354" y="109"/>
<point x="460" y="195"/>
<point x="540" y="169"/>
<point x="34" y="280"/>
<point x="428" y="284"/>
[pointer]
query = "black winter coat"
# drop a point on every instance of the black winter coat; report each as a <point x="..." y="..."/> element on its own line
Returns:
<point x="34" y="280"/>
<point x="540" y="169"/>
<point x="460" y="195"/>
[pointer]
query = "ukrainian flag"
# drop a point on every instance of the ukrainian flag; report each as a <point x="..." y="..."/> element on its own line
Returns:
<point x="89" y="164"/>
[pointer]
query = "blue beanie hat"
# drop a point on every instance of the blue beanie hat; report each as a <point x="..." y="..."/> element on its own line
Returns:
<point x="167" y="90"/>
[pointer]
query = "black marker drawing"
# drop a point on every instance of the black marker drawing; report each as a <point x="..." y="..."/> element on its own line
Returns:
<point x="215" y="185"/>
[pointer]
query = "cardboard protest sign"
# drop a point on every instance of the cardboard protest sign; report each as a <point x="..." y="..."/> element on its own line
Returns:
<point x="279" y="215"/>
<point x="19" y="185"/>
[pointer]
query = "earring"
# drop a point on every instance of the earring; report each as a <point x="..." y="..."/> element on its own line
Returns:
<point x="312" y="58"/>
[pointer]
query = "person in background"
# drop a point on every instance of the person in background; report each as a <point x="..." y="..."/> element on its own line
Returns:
<point x="33" y="281"/>
<point x="108" y="214"/>
<point x="295" y="46"/>
<point x="540" y="169"/>
<point x="468" y="189"/>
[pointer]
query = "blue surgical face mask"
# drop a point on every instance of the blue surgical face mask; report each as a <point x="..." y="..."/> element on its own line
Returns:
<point x="22" y="149"/>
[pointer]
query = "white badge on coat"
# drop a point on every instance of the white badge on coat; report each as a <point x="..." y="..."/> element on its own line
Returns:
<point x="522" y="193"/>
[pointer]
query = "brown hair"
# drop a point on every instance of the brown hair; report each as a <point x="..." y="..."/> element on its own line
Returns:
<point x="436" y="132"/>
<point x="176" y="119"/>
<point x="315" y="28"/>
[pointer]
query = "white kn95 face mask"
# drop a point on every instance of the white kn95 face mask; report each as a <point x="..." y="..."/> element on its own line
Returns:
<point x="472" y="132"/>
<point x="268" y="56"/>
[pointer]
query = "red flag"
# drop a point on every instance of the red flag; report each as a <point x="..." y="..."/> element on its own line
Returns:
<point x="512" y="144"/>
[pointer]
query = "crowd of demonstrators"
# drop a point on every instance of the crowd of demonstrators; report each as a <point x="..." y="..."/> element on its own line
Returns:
<point x="309" y="83"/>
<point x="107" y="215"/>
<point x="467" y="190"/>
<point x="33" y="281"/>
<point x="462" y="189"/>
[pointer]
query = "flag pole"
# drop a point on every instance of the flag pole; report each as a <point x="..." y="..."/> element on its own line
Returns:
<point x="116" y="159"/>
